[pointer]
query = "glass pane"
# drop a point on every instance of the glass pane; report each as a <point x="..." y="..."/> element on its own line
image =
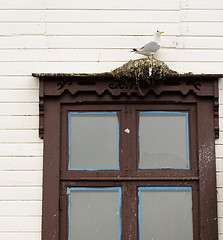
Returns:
<point x="94" y="142"/>
<point x="94" y="213"/>
<point x="165" y="213"/>
<point x="163" y="140"/>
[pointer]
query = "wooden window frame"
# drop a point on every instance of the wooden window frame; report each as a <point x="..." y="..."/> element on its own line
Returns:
<point x="60" y="94"/>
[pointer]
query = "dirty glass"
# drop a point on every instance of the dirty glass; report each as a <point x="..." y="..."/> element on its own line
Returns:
<point x="95" y="214"/>
<point x="165" y="213"/>
<point x="93" y="140"/>
<point x="163" y="140"/>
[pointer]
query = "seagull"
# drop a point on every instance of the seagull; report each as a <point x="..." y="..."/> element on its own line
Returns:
<point x="150" y="48"/>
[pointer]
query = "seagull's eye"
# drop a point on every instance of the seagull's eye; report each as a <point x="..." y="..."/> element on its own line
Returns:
<point x="157" y="31"/>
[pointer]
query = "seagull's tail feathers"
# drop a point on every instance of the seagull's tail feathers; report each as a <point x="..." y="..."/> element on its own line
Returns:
<point x="134" y="50"/>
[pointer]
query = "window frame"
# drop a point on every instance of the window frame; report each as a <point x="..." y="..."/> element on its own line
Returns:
<point x="129" y="176"/>
<point x="127" y="114"/>
<point x="52" y="101"/>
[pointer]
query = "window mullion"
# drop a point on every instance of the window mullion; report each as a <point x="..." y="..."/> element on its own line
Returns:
<point x="130" y="216"/>
<point x="123" y="150"/>
<point x="131" y="140"/>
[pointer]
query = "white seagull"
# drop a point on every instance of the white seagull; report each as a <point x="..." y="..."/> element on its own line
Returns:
<point x="150" y="48"/>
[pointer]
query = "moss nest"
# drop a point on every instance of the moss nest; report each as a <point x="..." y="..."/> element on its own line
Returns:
<point x="142" y="70"/>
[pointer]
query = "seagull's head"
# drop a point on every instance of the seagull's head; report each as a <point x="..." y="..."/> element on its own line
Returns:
<point x="157" y="36"/>
<point x="158" y="33"/>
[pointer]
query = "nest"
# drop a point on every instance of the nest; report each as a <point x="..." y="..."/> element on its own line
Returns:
<point x="147" y="70"/>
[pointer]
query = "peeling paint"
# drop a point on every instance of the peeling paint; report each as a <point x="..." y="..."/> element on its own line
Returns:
<point x="206" y="153"/>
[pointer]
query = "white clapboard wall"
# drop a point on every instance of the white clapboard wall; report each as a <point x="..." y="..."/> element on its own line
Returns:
<point x="83" y="37"/>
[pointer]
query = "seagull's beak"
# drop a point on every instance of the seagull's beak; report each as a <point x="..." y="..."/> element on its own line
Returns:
<point x="161" y="32"/>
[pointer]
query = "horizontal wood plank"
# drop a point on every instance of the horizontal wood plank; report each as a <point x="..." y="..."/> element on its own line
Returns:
<point x="19" y="83"/>
<point x="26" y="68"/>
<point x="199" y="4"/>
<point x="111" y="16"/>
<point x="23" y="42"/>
<point x="20" y="208"/>
<point x="220" y="85"/>
<point x="115" y="4"/>
<point x="202" y="29"/>
<point x="20" y="178"/>
<point x="221" y="127"/>
<point x="111" y="29"/>
<point x="219" y="164"/>
<point x="191" y="42"/>
<point x="20" y="235"/>
<point x="21" y="149"/>
<point x="22" y="4"/>
<point x="19" y="122"/>
<point x="21" y="164"/>
<point x="220" y="98"/>
<point x="220" y="209"/>
<point x="221" y="108"/>
<point x="22" y="109"/>
<point x="220" y="196"/>
<point x="201" y="16"/>
<point x="18" y="96"/>
<point x="21" y="15"/>
<point x="106" y="55"/>
<point x="31" y="193"/>
<point x="220" y="225"/>
<point x="20" y="224"/>
<point x="106" y="42"/>
<point x="219" y="148"/>
<point x="101" y="42"/>
<point x="196" y="67"/>
<point x="220" y="179"/>
<point x="19" y="136"/>
<point x="22" y="28"/>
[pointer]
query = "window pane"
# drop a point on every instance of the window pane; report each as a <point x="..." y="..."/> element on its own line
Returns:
<point x="165" y="213"/>
<point x="163" y="140"/>
<point x="94" y="140"/>
<point x="94" y="213"/>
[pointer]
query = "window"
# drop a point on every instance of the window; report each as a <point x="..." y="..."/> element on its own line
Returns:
<point x="129" y="151"/>
<point x="121" y="166"/>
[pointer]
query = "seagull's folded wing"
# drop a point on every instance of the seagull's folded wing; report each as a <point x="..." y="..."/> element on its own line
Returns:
<point x="150" y="47"/>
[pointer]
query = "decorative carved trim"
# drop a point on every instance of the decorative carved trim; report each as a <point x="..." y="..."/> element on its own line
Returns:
<point x="123" y="85"/>
<point x="59" y="85"/>
<point x="216" y="109"/>
<point x="41" y="109"/>
<point x="195" y="84"/>
<point x="41" y="118"/>
<point x="62" y="84"/>
<point x="56" y="87"/>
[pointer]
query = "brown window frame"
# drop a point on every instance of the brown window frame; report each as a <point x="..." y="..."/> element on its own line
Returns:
<point x="60" y="94"/>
